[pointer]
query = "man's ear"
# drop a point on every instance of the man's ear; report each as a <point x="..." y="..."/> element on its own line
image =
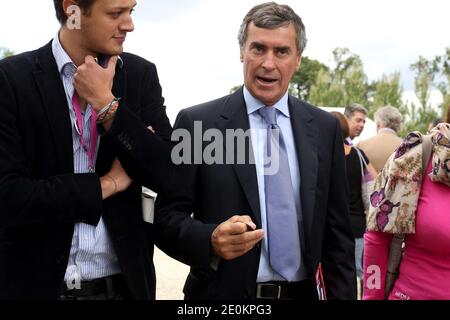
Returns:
<point x="66" y="4"/>
<point x="241" y="56"/>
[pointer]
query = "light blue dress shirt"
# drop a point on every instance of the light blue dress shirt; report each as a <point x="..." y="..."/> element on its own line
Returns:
<point x="92" y="255"/>
<point x="259" y="136"/>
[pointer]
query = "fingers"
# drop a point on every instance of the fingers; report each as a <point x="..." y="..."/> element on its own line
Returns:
<point x="245" y="220"/>
<point x="232" y="238"/>
<point x="230" y="251"/>
<point x="112" y="63"/>
<point x="89" y="59"/>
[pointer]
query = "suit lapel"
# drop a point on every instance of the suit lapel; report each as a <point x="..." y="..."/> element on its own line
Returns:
<point x="234" y="116"/>
<point x="306" y="143"/>
<point x="54" y="102"/>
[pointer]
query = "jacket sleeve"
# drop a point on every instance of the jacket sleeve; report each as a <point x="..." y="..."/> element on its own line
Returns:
<point x="145" y="155"/>
<point x="180" y="235"/>
<point x="25" y="199"/>
<point x="338" y="252"/>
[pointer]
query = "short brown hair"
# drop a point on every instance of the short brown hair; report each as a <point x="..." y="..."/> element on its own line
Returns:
<point x="344" y="124"/>
<point x="84" y="5"/>
<point x="271" y="15"/>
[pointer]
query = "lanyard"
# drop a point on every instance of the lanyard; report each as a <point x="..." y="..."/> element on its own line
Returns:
<point x="91" y="150"/>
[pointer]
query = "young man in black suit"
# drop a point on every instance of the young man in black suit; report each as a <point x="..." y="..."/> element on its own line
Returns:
<point x="256" y="234"/>
<point x="71" y="224"/>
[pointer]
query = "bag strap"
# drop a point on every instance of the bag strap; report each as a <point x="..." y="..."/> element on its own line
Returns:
<point x="426" y="153"/>
<point x="396" y="247"/>
<point x="362" y="161"/>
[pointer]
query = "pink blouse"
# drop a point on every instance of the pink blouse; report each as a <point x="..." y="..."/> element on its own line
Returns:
<point x="425" y="267"/>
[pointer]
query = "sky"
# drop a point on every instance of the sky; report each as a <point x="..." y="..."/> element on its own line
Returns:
<point x="194" y="42"/>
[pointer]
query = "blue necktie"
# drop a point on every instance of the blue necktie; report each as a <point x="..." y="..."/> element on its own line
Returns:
<point x="282" y="223"/>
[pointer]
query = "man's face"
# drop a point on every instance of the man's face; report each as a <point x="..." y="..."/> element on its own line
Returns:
<point x="270" y="58"/>
<point x="105" y="26"/>
<point x="356" y="124"/>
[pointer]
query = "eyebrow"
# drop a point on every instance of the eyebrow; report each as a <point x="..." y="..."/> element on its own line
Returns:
<point x="261" y="45"/>
<point x="283" y="48"/>
<point x="124" y="7"/>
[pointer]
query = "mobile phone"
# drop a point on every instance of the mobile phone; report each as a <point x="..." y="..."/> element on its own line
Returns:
<point x="103" y="60"/>
<point x="249" y="228"/>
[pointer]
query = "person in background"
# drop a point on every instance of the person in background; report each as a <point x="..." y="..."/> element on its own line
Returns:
<point x="355" y="202"/>
<point x="356" y="116"/>
<point x="378" y="148"/>
<point x="411" y="199"/>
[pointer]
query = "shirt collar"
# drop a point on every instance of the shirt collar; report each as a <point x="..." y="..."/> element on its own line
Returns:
<point x="254" y="104"/>
<point x="387" y="130"/>
<point x="62" y="58"/>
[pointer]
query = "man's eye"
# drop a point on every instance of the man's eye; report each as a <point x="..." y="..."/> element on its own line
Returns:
<point x="258" y="49"/>
<point x="115" y="14"/>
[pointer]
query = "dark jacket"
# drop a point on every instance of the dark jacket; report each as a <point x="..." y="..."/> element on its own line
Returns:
<point x="215" y="193"/>
<point x="41" y="199"/>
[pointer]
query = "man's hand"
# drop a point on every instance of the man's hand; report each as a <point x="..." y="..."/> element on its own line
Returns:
<point x="235" y="237"/>
<point x="94" y="84"/>
<point x="115" y="181"/>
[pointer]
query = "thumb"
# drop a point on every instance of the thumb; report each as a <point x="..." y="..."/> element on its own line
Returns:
<point x="112" y="63"/>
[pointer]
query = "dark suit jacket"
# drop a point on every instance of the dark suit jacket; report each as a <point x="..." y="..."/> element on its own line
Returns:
<point x="41" y="198"/>
<point x="215" y="193"/>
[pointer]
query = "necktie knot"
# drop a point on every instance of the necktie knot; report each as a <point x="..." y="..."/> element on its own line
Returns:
<point x="69" y="70"/>
<point x="269" y="115"/>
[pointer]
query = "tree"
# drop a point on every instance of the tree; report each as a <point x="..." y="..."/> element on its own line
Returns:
<point x="418" y="116"/>
<point x="234" y="89"/>
<point x="344" y="85"/>
<point x="444" y="85"/>
<point x="306" y="77"/>
<point x="4" y="52"/>
<point x="386" y="92"/>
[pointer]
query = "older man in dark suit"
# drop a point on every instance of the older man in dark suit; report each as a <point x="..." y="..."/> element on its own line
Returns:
<point x="275" y="226"/>
<point x="71" y="224"/>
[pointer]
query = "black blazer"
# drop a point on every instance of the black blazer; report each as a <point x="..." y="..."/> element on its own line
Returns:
<point x="215" y="193"/>
<point x="41" y="198"/>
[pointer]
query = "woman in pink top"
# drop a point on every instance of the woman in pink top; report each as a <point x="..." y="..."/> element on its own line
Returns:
<point x="404" y="203"/>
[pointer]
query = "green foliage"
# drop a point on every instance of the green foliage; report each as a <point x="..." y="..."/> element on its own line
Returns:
<point x="344" y="85"/>
<point x="429" y="74"/>
<point x="4" y="52"/>
<point x="347" y="83"/>
<point x="234" y="89"/>
<point x="306" y="77"/>
<point x="386" y="92"/>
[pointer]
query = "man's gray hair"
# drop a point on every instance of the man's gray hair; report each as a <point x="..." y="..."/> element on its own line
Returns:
<point x="389" y="117"/>
<point x="351" y="109"/>
<point x="271" y="15"/>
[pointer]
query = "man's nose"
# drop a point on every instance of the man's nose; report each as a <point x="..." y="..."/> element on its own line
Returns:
<point x="127" y="25"/>
<point x="269" y="61"/>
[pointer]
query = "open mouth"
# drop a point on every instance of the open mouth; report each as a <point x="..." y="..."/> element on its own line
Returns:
<point x="267" y="80"/>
